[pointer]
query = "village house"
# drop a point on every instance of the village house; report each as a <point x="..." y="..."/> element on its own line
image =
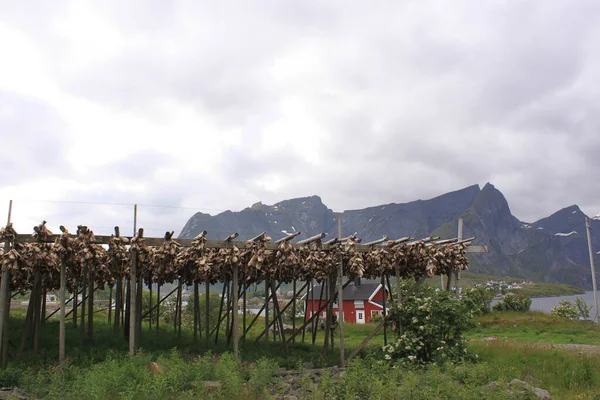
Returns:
<point x="362" y="301"/>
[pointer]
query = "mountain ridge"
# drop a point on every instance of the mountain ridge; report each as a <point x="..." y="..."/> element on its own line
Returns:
<point x="545" y="250"/>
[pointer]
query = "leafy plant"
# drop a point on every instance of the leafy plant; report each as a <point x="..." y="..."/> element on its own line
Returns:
<point x="431" y="325"/>
<point x="513" y="302"/>
<point x="478" y="297"/>
<point x="574" y="311"/>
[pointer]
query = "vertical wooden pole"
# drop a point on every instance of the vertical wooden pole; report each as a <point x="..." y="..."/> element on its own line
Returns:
<point x="139" y="299"/>
<point x="37" y="310"/>
<point x="132" y="302"/>
<point x="383" y="284"/>
<point x="267" y="311"/>
<point x="43" y="310"/>
<point x="227" y="308"/>
<point x="110" y="301"/>
<point x="91" y="284"/>
<point x="176" y="311"/>
<point x="244" y="312"/>
<point x="157" y="307"/>
<point x="196" y="307"/>
<point x="588" y="229"/>
<point x="308" y="290"/>
<point x="218" y="327"/>
<point x="62" y="294"/>
<point x="235" y="316"/>
<point x="5" y="291"/>
<point x="76" y="304"/>
<point x="83" y="299"/>
<point x="294" y="310"/>
<point x="341" y="299"/>
<point x="207" y="312"/>
<point x="457" y="273"/>
<point x="151" y="309"/>
<point x="179" y="308"/>
<point x="27" y="326"/>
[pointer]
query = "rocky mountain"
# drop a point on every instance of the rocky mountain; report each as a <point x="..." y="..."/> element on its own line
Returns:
<point x="553" y="249"/>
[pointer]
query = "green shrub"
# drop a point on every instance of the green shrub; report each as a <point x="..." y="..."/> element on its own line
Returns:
<point x="478" y="298"/>
<point x="573" y="311"/>
<point x="513" y="302"/>
<point x="432" y="324"/>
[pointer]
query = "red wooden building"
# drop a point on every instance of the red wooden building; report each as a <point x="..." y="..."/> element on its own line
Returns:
<point x="362" y="301"/>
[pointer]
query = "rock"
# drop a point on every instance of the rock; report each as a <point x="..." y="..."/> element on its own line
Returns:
<point x="541" y="394"/>
<point x="519" y="386"/>
<point x="212" y="386"/>
<point x="492" y="386"/>
<point x="531" y="380"/>
<point x="12" y="393"/>
<point x="308" y="365"/>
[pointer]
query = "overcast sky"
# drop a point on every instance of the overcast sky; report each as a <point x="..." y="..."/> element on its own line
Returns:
<point x="214" y="105"/>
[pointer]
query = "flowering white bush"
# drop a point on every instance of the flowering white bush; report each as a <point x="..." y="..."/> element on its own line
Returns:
<point x="577" y="311"/>
<point x="431" y="324"/>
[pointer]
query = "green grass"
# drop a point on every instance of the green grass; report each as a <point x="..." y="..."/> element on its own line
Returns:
<point x="565" y="375"/>
<point x="538" y="289"/>
<point x="535" y="327"/>
<point x="105" y="371"/>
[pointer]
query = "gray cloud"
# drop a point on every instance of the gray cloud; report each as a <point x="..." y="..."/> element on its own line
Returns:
<point x="414" y="100"/>
<point x="31" y="139"/>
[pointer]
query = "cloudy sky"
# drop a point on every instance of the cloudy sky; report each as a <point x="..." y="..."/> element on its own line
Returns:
<point x="208" y="106"/>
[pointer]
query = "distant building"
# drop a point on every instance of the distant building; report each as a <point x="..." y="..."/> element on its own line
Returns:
<point x="362" y="301"/>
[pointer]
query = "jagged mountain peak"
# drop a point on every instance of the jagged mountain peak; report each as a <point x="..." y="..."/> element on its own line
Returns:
<point x="545" y="250"/>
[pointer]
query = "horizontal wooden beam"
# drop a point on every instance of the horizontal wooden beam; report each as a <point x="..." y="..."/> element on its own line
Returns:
<point x="218" y="244"/>
<point x="477" y="249"/>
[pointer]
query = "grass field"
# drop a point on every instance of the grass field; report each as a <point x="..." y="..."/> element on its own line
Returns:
<point x="538" y="289"/>
<point x="522" y="346"/>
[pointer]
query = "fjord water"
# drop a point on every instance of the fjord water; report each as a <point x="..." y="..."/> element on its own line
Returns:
<point x="545" y="304"/>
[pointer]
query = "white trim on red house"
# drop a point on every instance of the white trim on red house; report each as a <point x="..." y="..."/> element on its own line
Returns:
<point x="375" y="304"/>
<point x="377" y="289"/>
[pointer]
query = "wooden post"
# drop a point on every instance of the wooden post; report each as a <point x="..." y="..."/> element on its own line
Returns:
<point x="157" y="307"/>
<point x="83" y="299"/>
<point x="196" y="307"/>
<point x="267" y="311"/>
<point x="61" y="329"/>
<point x="308" y="290"/>
<point x="43" y="310"/>
<point x="294" y="309"/>
<point x="178" y="312"/>
<point x="140" y="290"/>
<point x="341" y="299"/>
<point x="227" y="308"/>
<point x="383" y="284"/>
<point x="76" y="304"/>
<point x="27" y="326"/>
<point x="118" y="303"/>
<point x="235" y="316"/>
<point x="5" y="292"/>
<point x="151" y="309"/>
<point x="37" y="310"/>
<point x="91" y="285"/>
<point x="588" y="229"/>
<point x="132" y="302"/>
<point x="207" y="312"/>
<point x="110" y="298"/>
<point x="457" y="273"/>
<point x="244" y="311"/>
